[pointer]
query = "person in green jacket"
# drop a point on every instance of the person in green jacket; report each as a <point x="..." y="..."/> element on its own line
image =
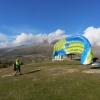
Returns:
<point x="18" y="69"/>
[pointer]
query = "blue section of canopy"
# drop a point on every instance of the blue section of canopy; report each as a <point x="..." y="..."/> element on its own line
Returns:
<point x="86" y="43"/>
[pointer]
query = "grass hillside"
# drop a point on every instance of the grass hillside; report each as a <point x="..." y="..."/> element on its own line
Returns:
<point x="63" y="80"/>
<point x="39" y="48"/>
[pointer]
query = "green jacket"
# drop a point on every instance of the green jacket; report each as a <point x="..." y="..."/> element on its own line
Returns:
<point x="17" y="63"/>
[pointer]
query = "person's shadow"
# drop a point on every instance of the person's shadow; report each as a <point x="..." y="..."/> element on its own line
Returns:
<point x="33" y="71"/>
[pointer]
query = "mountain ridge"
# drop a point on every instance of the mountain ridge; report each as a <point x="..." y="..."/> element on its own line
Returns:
<point x="28" y="49"/>
<point x="38" y="48"/>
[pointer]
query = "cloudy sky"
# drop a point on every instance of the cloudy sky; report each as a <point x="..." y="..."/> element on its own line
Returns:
<point x="35" y="21"/>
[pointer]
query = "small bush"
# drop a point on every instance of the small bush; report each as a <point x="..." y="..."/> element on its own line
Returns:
<point x="3" y="65"/>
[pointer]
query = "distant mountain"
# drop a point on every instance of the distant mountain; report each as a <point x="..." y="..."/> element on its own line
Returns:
<point x="96" y="51"/>
<point x="39" y="48"/>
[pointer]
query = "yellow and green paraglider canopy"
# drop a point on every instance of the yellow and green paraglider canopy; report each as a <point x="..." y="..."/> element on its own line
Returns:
<point x="78" y="44"/>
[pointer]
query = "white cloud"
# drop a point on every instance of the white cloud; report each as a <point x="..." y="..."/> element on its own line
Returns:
<point x="39" y="38"/>
<point x="93" y="35"/>
<point x="24" y="38"/>
<point x="59" y="34"/>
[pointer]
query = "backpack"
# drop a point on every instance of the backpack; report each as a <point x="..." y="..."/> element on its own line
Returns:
<point x="14" y="66"/>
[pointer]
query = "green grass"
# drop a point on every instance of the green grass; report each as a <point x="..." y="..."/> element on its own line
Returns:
<point x="63" y="80"/>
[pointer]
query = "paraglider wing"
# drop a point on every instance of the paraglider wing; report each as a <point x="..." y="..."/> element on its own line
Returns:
<point x="78" y="44"/>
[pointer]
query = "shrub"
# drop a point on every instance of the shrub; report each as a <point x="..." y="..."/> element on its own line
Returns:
<point x="3" y="66"/>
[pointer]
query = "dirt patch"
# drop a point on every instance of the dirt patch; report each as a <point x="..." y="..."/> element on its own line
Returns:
<point x="91" y="71"/>
<point x="8" y="75"/>
<point x="62" y="71"/>
<point x="56" y="71"/>
<point x="71" y="70"/>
